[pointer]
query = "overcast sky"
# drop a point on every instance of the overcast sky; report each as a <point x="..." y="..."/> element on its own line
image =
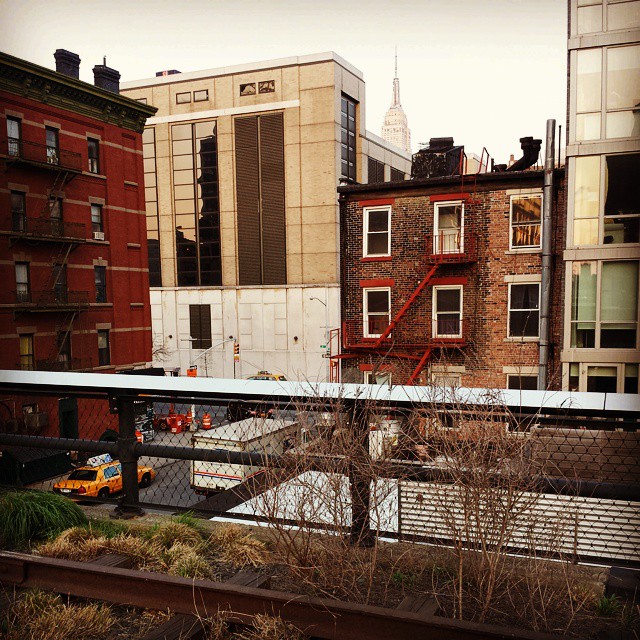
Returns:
<point x="486" y="72"/>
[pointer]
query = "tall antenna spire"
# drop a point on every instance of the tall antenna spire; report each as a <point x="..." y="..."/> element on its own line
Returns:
<point x="396" y="85"/>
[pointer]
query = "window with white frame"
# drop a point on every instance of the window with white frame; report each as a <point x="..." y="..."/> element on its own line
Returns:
<point x="446" y="379"/>
<point x="377" y="377"/>
<point x="376" y="311"/>
<point x="526" y="221"/>
<point x="604" y="304"/>
<point x="447" y="311"/>
<point x="377" y="231"/>
<point x="448" y="227"/>
<point x="603" y="377"/>
<point x="524" y="310"/>
<point x="594" y="16"/>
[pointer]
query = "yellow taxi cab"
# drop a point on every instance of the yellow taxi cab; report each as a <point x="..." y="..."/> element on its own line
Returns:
<point x="101" y="477"/>
<point x="267" y="375"/>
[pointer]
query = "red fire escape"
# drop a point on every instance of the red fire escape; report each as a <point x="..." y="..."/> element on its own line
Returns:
<point x="441" y="249"/>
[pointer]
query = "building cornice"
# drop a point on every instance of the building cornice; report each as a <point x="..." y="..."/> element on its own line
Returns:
<point x="469" y="180"/>
<point x="38" y="83"/>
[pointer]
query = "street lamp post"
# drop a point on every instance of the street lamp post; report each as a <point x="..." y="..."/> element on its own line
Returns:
<point x="204" y="353"/>
<point x="326" y="330"/>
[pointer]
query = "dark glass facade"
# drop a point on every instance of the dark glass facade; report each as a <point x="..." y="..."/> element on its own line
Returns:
<point x="196" y="204"/>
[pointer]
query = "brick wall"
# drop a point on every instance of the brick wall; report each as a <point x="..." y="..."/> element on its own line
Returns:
<point x="486" y="349"/>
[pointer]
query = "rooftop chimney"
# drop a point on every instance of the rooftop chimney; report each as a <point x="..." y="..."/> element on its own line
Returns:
<point x="530" y="152"/>
<point x="67" y="63"/>
<point x="106" y="77"/>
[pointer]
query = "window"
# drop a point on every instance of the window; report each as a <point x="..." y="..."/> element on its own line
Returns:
<point x="446" y="379"/>
<point x="27" y="359"/>
<point x="377" y="377"/>
<point x="14" y="136"/>
<point x="447" y="312"/>
<point x="376" y="311"/>
<point x="348" y="138"/>
<point x="18" y="211"/>
<point x="605" y="92"/>
<point x="104" y="355"/>
<point x="60" y="283"/>
<point x="604" y="305"/>
<point x="23" y="289"/>
<point x="96" y="218"/>
<point x="141" y="100"/>
<point x="448" y="228"/>
<point x="606" y="207"/>
<point x="200" y="326"/>
<point x="524" y="310"/>
<point x="526" y="219"/>
<point x="55" y="211"/>
<point x="183" y="98"/>
<point x="151" y="205"/>
<point x="93" y="148"/>
<point x="396" y="175"/>
<point x="100" y="277"/>
<point x="199" y="96"/>
<point x="53" y="148"/>
<point x="603" y="378"/>
<point x="522" y="383"/>
<point x="377" y="231"/>
<point x="375" y="170"/>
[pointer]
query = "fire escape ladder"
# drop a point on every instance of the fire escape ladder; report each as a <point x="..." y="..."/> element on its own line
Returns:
<point x="59" y="181"/>
<point x="413" y="377"/>
<point x="57" y="265"/>
<point x="407" y="305"/>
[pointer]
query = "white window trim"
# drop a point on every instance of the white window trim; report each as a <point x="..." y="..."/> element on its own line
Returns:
<point x="530" y="248"/>
<point x="520" y="375"/>
<point x="368" y="374"/>
<point x="365" y="312"/>
<point x="365" y="231"/>
<point x="584" y="370"/>
<point x="434" y="311"/>
<point x="522" y="338"/>
<point x="436" y="217"/>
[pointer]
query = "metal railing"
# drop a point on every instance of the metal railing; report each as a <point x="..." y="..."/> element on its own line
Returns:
<point x="42" y="154"/>
<point x="48" y="228"/>
<point x="585" y="448"/>
<point x="452" y="247"/>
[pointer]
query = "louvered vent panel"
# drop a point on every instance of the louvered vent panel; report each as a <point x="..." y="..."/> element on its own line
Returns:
<point x="248" y="201"/>
<point x="272" y="193"/>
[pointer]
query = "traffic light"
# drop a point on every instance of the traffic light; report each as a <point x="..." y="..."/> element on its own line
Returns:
<point x="236" y="348"/>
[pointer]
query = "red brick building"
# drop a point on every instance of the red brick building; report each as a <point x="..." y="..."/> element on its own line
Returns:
<point x="441" y="280"/>
<point x="73" y="254"/>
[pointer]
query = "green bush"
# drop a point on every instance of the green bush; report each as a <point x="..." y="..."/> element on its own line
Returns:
<point x="32" y="516"/>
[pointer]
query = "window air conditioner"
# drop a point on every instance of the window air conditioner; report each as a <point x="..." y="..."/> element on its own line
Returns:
<point x="98" y="235"/>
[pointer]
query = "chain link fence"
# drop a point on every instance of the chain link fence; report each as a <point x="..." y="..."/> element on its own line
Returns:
<point x="485" y="474"/>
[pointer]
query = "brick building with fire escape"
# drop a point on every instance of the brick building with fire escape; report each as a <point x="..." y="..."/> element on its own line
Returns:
<point x="75" y="285"/>
<point x="441" y="274"/>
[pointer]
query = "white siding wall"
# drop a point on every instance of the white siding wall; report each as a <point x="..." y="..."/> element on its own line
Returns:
<point x="265" y="321"/>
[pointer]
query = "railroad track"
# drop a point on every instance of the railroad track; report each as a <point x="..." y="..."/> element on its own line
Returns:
<point x="241" y="598"/>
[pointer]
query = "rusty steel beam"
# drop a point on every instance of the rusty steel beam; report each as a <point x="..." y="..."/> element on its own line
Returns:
<point x="318" y="617"/>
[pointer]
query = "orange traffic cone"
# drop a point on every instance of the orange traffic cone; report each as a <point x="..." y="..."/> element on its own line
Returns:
<point x="206" y="420"/>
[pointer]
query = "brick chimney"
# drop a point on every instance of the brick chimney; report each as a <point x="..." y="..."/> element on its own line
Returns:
<point x="67" y="63"/>
<point x="106" y="77"/>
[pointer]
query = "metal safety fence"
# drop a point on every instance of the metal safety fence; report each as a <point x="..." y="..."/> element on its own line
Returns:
<point x="553" y="473"/>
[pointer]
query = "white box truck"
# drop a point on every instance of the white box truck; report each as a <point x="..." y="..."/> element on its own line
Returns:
<point x="253" y="435"/>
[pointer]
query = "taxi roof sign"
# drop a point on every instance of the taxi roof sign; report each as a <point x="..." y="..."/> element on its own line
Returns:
<point x="96" y="461"/>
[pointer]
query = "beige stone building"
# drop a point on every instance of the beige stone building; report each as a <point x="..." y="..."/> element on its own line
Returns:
<point x="241" y="169"/>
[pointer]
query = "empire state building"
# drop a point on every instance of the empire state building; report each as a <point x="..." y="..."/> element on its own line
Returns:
<point x="395" y="129"/>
